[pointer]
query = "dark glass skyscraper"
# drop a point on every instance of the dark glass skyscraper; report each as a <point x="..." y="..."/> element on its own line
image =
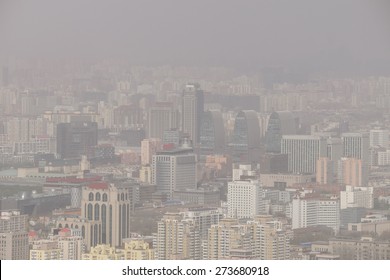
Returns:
<point x="75" y="139"/>
<point x="245" y="145"/>
<point x="212" y="133"/>
<point x="279" y="124"/>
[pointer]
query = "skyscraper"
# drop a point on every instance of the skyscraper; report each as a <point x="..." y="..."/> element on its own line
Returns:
<point x="177" y="238"/>
<point x="212" y="133"/>
<point x="245" y="199"/>
<point x="149" y="147"/>
<point x="76" y="139"/>
<point x="324" y="171"/>
<point x="356" y="145"/>
<point x="245" y="144"/>
<point x="174" y="170"/>
<point x="13" y="236"/>
<point x="303" y="152"/>
<point x="192" y="112"/>
<point x="279" y="124"/>
<point x="110" y="205"/>
<point x="379" y="138"/>
<point x="162" y="117"/>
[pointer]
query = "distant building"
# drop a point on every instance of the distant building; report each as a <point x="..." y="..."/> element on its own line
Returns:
<point x="357" y="197"/>
<point x="364" y="249"/>
<point x="192" y="112"/>
<point x="212" y="133"/>
<point x="149" y="147"/>
<point x="76" y="139"/>
<point x="174" y="170"/>
<point x="324" y="171"/>
<point x="245" y="144"/>
<point x="350" y="172"/>
<point x="162" y="117"/>
<point x="379" y="138"/>
<point x="279" y="124"/>
<point x="303" y="152"/>
<point x="356" y="145"/>
<point x="245" y="199"/>
<point x="308" y="212"/>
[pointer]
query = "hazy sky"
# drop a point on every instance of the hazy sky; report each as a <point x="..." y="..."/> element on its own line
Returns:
<point x="326" y="34"/>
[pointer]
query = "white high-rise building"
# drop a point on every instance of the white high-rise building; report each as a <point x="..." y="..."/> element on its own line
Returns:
<point x="303" y="152"/>
<point x="357" y="197"/>
<point x="245" y="199"/>
<point x="308" y="212"/>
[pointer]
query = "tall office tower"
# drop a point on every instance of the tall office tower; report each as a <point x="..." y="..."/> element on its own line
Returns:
<point x="279" y="124"/>
<point x="270" y="241"/>
<point x="174" y="170"/>
<point x="212" y="133"/>
<point x="245" y="199"/>
<point x="76" y="139"/>
<point x="308" y="212"/>
<point x="162" y="117"/>
<point x="177" y="238"/>
<point x="324" y="171"/>
<point x="334" y="151"/>
<point x="350" y="172"/>
<point x="379" y="138"/>
<point x="356" y="145"/>
<point x="149" y="147"/>
<point x="13" y="236"/>
<point x="245" y="143"/>
<point x="111" y="205"/>
<point x="192" y="112"/>
<point x="303" y="152"/>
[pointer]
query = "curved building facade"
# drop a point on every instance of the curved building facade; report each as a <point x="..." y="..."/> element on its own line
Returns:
<point x="246" y="137"/>
<point x="212" y="133"/>
<point x="279" y="124"/>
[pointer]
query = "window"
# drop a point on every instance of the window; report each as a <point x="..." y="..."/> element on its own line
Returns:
<point x="97" y="196"/>
<point x="97" y="214"/>
<point x="90" y="197"/>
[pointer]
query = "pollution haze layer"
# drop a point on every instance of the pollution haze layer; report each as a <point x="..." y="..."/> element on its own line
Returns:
<point x="344" y="36"/>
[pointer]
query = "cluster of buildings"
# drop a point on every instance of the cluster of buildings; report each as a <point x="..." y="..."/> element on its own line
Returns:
<point x="143" y="168"/>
